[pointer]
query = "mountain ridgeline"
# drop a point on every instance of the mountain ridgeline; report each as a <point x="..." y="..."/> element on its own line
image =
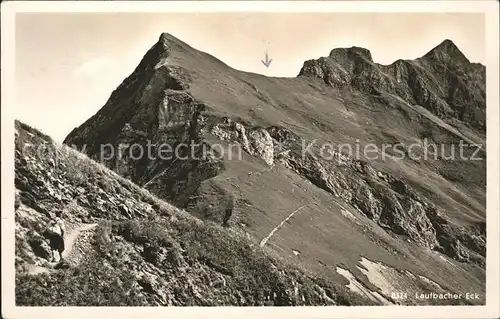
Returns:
<point x="443" y="81"/>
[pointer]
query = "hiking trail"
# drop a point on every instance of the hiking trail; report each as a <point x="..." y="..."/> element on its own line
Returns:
<point x="275" y="229"/>
<point x="72" y="237"/>
<point x="76" y="236"/>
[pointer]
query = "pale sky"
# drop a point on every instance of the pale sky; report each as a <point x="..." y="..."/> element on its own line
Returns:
<point x="67" y="64"/>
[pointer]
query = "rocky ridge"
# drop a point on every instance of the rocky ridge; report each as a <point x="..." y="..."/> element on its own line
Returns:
<point x="443" y="81"/>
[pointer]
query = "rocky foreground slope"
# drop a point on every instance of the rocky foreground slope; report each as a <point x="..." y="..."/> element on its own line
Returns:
<point x="417" y="223"/>
<point x="133" y="249"/>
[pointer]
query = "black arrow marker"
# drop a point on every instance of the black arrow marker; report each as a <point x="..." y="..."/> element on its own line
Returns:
<point x="268" y="61"/>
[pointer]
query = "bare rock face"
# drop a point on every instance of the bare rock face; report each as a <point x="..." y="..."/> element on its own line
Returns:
<point x="256" y="141"/>
<point x="263" y="145"/>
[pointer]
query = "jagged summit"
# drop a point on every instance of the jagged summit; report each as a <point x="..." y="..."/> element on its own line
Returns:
<point x="344" y="53"/>
<point x="424" y="81"/>
<point x="447" y="52"/>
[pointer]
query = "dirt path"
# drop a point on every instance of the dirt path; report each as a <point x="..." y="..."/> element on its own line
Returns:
<point x="73" y="234"/>
<point x="275" y="229"/>
<point x="72" y="237"/>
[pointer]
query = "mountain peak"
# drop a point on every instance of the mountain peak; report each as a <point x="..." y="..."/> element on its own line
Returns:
<point x="166" y="40"/>
<point x="340" y="64"/>
<point x="447" y="51"/>
<point x="447" y="45"/>
<point x="169" y="42"/>
<point x="344" y="53"/>
<point x="165" y="36"/>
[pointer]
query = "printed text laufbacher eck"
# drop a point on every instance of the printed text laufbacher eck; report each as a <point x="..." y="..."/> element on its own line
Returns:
<point x="446" y="296"/>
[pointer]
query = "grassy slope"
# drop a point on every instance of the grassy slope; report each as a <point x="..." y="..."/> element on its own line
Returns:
<point x="154" y="254"/>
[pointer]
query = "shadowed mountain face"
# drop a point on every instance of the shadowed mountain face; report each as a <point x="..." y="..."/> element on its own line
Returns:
<point x="410" y="206"/>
